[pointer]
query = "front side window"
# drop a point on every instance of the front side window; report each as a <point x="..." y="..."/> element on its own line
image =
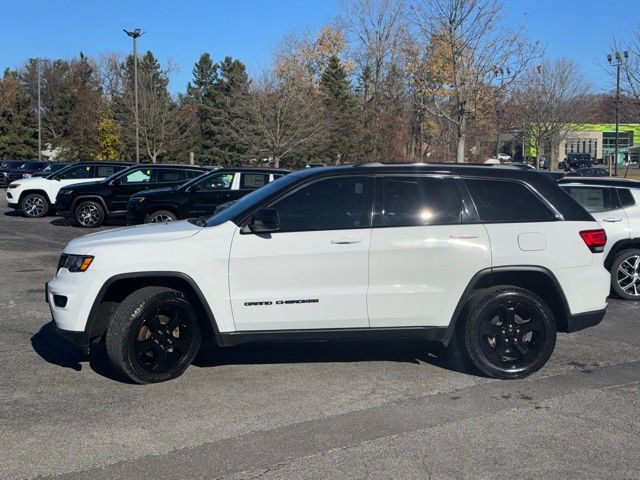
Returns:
<point x="253" y="180"/>
<point x="219" y="181"/>
<point x="140" y="175"/>
<point x="594" y="199"/>
<point x="77" y="172"/>
<point x="332" y="204"/>
<point x="414" y="201"/>
<point x="500" y="201"/>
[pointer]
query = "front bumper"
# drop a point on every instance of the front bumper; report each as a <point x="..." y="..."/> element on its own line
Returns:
<point x="584" y="320"/>
<point x="136" y="213"/>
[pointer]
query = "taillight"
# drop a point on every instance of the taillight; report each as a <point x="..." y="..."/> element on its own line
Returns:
<point x="595" y="239"/>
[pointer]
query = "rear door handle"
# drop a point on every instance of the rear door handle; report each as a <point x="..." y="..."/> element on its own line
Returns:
<point x="612" y="220"/>
<point x="463" y="236"/>
<point x="345" y="240"/>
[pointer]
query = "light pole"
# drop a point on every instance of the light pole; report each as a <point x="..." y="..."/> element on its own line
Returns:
<point x="617" y="63"/>
<point x="499" y="72"/>
<point x="135" y="35"/>
<point x="39" y="112"/>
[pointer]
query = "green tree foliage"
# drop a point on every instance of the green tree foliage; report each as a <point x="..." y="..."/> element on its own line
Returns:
<point x="219" y="92"/>
<point x="18" y="124"/>
<point x="111" y="146"/>
<point x="340" y="110"/>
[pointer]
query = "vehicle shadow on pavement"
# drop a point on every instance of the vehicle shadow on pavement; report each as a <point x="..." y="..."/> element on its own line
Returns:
<point x="57" y="351"/>
<point x="406" y="351"/>
<point x="13" y="213"/>
<point x="68" y="222"/>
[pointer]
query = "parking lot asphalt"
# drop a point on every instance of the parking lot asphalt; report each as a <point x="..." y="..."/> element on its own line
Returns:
<point x="377" y="409"/>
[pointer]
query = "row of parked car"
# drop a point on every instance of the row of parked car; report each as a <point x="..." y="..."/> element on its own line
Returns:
<point x="92" y="192"/>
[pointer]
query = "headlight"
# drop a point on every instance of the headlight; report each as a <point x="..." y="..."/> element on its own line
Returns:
<point x="26" y="175"/>
<point x="75" y="263"/>
<point x="65" y="192"/>
<point x="13" y="185"/>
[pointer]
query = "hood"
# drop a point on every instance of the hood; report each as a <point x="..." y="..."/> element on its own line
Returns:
<point x="80" y="184"/>
<point x="147" y="233"/>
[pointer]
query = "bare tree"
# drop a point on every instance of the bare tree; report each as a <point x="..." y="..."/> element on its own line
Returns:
<point x="278" y="118"/>
<point x="548" y="101"/>
<point x="464" y="44"/>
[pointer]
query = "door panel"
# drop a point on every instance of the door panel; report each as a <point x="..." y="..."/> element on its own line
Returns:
<point x="418" y="274"/>
<point x="313" y="272"/>
<point x="299" y="280"/>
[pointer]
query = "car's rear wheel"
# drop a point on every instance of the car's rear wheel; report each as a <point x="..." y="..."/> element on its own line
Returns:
<point x="509" y="332"/>
<point x="89" y="214"/>
<point x="625" y="274"/>
<point x="153" y="335"/>
<point x="161" y="216"/>
<point x="34" y="205"/>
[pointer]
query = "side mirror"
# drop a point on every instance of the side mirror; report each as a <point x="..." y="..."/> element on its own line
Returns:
<point x="265" y="220"/>
<point x="115" y="182"/>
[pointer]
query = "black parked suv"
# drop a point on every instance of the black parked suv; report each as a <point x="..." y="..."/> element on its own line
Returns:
<point x="90" y="204"/>
<point x="578" y="160"/>
<point x="198" y="197"/>
<point x="21" y="170"/>
<point x="50" y="169"/>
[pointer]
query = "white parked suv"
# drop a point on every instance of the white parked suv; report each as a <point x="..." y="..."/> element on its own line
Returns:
<point x="499" y="259"/>
<point x="615" y="203"/>
<point x="36" y="196"/>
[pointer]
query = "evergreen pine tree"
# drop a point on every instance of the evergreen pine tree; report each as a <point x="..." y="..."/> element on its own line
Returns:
<point x="18" y="124"/>
<point x="340" y="112"/>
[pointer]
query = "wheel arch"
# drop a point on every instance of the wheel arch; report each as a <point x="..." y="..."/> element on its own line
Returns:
<point x="118" y="287"/>
<point x="169" y="208"/>
<point x="539" y="280"/>
<point x="618" y="247"/>
<point x="35" y="190"/>
<point x="84" y="198"/>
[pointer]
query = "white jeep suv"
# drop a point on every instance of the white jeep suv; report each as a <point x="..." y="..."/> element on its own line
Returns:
<point x="497" y="259"/>
<point x="36" y="196"/>
<point x="615" y="203"/>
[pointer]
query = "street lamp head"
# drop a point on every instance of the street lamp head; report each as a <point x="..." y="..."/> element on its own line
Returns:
<point x="626" y="54"/>
<point x="136" y="32"/>
<point x="618" y="56"/>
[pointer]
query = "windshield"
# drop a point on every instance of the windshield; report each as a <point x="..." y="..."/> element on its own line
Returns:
<point x="196" y="179"/>
<point x="248" y="201"/>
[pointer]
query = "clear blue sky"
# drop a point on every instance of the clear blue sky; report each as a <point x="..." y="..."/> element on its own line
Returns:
<point x="250" y="29"/>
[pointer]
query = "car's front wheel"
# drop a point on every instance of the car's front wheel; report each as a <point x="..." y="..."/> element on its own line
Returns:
<point x="153" y="335"/>
<point x="625" y="274"/>
<point x="161" y="216"/>
<point x="509" y="332"/>
<point x="89" y="214"/>
<point x="34" y="205"/>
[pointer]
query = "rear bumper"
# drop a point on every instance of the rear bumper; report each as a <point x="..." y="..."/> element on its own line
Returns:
<point x="584" y="320"/>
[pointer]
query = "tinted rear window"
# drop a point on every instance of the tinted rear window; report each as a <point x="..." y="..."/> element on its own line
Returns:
<point x="253" y="180"/>
<point x="413" y="201"/>
<point x="626" y="197"/>
<point x="499" y="201"/>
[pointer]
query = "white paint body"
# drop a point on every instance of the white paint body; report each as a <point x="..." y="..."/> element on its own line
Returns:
<point x="375" y="277"/>
<point x="49" y="186"/>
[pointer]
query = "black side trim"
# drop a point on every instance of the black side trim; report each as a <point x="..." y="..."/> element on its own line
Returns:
<point x="436" y="334"/>
<point x="581" y="321"/>
<point x="476" y="280"/>
<point x="92" y="329"/>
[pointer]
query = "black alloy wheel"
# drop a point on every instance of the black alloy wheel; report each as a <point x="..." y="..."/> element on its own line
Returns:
<point x="509" y="332"/>
<point x="154" y="335"/>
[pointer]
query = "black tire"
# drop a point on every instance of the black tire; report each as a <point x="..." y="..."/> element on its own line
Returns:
<point x="625" y="274"/>
<point x="34" y="205"/>
<point x="141" y="342"/>
<point x="508" y="332"/>
<point x="89" y="214"/>
<point x="161" y="216"/>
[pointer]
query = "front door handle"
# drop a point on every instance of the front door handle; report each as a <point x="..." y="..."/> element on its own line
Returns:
<point x="612" y="220"/>
<point x="345" y="240"/>
<point x="463" y="236"/>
